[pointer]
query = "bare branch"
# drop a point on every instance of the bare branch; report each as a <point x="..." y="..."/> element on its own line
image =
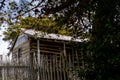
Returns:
<point x="61" y="7"/>
<point x="38" y="5"/>
<point x="2" y="4"/>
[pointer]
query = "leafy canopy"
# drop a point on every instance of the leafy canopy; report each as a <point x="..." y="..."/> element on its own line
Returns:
<point x="98" y="18"/>
<point x="44" y="24"/>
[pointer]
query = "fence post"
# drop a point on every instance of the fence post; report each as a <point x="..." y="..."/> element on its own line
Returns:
<point x="3" y="74"/>
<point x="38" y="53"/>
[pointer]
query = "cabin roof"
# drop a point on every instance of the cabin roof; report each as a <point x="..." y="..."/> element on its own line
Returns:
<point x="39" y="34"/>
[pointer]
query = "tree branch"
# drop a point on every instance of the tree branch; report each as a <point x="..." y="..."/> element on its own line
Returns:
<point x="59" y="8"/>
<point x="2" y="4"/>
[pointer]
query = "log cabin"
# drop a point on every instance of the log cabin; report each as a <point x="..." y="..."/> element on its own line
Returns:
<point x="50" y="56"/>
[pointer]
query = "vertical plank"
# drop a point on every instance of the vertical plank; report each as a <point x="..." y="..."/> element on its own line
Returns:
<point x="57" y="67"/>
<point x="38" y="54"/>
<point x="31" y="75"/>
<point x="70" y="68"/>
<point x="51" y="68"/>
<point x="3" y="74"/>
<point x="43" y="67"/>
<point x="61" y="68"/>
<point x="50" y="73"/>
<point x="64" y="61"/>
<point x="77" y="58"/>
<point x="47" y="68"/>
<point x="54" y="66"/>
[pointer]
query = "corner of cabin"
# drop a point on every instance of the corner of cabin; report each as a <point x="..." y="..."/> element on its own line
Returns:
<point x="20" y="48"/>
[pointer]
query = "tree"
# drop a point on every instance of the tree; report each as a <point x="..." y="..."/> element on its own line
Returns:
<point x="44" y="24"/>
<point x="67" y="13"/>
<point x="105" y="41"/>
<point x="100" y="19"/>
<point x="104" y="16"/>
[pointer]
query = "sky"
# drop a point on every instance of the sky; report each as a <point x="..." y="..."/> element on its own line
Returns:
<point x="3" y="44"/>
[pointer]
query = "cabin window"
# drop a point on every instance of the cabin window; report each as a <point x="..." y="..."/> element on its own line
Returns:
<point x="19" y="54"/>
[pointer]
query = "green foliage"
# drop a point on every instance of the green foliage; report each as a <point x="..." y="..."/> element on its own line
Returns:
<point x="44" y="24"/>
<point x="77" y="17"/>
<point x="37" y="23"/>
<point x="105" y="43"/>
<point x="103" y="61"/>
<point x="11" y="33"/>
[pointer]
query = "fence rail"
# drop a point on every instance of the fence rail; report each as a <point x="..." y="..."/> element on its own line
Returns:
<point x="51" y="67"/>
<point x="11" y="72"/>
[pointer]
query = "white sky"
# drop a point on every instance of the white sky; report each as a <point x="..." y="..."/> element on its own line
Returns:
<point x="3" y="44"/>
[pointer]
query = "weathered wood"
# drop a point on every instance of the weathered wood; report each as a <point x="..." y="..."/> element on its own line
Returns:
<point x="38" y="57"/>
<point x="14" y="66"/>
<point x="51" y="59"/>
<point x="25" y="49"/>
<point x="51" y="69"/>
<point x="77" y="58"/>
<point x="47" y="67"/>
<point x="47" y="48"/>
<point x="47" y="52"/>
<point x="57" y="67"/>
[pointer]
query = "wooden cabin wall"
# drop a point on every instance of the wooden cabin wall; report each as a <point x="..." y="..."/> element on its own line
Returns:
<point x="50" y="52"/>
<point x="58" y="59"/>
<point x="23" y="58"/>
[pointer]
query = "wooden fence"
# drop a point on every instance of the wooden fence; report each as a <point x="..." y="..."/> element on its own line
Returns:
<point x="11" y="72"/>
<point x="57" y="66"/>
<point x="51" y="67"/>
